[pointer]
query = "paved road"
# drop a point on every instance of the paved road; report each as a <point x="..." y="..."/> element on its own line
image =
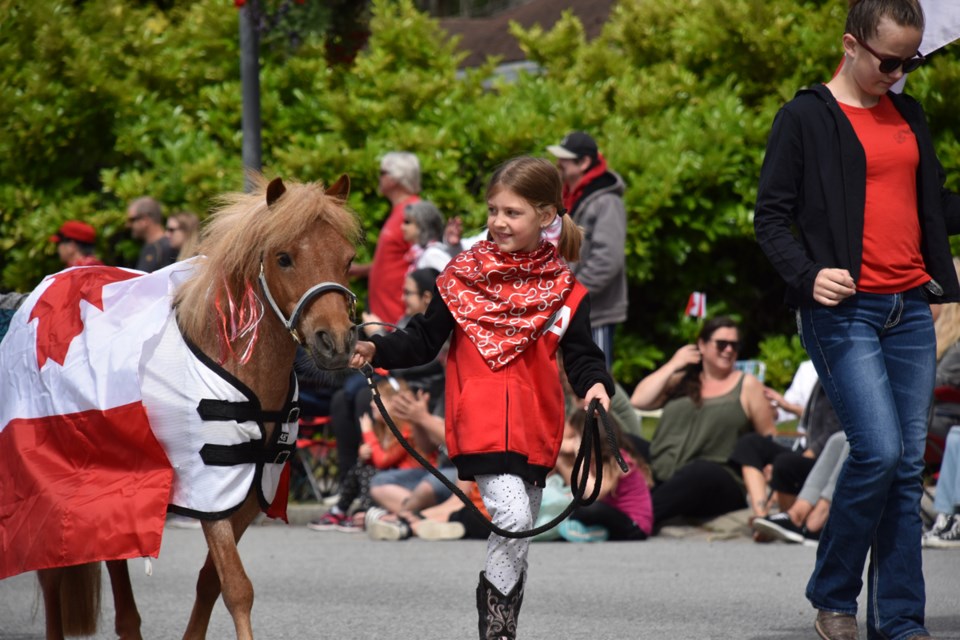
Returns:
<point x="345" y="586"/>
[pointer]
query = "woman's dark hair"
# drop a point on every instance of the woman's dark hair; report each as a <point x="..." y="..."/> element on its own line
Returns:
<point x="865" y="15"/>
<point x="690" y="384"/>
<point x="425" y="279"/>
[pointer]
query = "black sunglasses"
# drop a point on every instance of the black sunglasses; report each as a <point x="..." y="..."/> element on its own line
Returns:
<point x="890" y="64"/>
<point x="723" y="345"/>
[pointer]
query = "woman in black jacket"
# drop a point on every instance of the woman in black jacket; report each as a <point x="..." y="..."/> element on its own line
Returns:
<point x="850" y="167"/>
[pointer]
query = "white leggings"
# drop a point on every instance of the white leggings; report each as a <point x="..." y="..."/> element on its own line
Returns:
<point x="513" y="505"/>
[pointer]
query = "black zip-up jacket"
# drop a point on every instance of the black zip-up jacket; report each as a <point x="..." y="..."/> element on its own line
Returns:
<point x="814" y="180"/>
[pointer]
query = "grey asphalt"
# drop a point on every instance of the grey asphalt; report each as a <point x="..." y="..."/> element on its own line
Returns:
<point x="328" y="585"/>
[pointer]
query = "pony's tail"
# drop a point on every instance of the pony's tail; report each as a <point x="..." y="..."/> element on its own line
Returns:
<point x="80" y="599"/>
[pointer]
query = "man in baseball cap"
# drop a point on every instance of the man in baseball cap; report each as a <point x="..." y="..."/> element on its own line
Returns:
<point x="75" y="242"/>
<point x="575" y="145"/>
<point x="593" y="197"/>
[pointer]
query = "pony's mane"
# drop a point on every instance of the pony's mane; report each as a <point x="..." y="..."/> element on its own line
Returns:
<point x="240" y="230"/>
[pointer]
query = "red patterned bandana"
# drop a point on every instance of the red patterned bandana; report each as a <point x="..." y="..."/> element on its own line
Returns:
<point x="504" y="301"/>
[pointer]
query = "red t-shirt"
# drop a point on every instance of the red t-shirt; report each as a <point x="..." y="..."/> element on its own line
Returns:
<point x="389" y="267"/>
<point x="892" y="261"/>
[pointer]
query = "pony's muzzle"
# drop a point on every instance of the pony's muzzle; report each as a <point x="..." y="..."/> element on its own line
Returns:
<point x="333" y="350"/>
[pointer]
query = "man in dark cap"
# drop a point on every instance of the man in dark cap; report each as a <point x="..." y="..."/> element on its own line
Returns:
<point x="75" y="242"/>
<point x="593" y="197"/>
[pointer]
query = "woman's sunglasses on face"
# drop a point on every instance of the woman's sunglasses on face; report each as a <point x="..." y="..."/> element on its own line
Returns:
<point x="889" y="64"/>
<point x="723" y="345"/>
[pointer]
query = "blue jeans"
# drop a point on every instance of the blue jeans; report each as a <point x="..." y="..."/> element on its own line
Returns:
<point x="875" y="356"/>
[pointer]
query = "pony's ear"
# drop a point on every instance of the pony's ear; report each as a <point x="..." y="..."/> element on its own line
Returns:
<point x="274" y="190"/>
<point x="341" y="188"/>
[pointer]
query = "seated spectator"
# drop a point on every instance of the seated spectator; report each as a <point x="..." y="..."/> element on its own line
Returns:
<point x="791" y="403"/>
<point x="406" y="492"/>
<point x="804" y="520"/>
<point x="423" y="229"/>
<point x="623" y="509"/>
<point x="75" y="240"/>
<point x="762" y="459"/>
<point x="707" y="405"/>
<point x="380" y="452"/>
<point x="352" y="399"/>
<point x="449" y="520"/>
<point x="945" y="533"/>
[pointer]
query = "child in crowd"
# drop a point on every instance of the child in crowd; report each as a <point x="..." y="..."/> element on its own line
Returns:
<point x="508" y="303"/>
<point x="623" y="510"/>
<point x="380" y="451"/>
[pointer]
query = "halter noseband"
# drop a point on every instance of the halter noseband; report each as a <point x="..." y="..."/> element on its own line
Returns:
<point x="310" y="294"/>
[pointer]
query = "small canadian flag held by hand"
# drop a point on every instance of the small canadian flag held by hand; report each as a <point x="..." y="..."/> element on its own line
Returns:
<point x="697" y="305"/>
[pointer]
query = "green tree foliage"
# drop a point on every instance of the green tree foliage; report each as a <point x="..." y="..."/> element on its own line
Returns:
<point x="108" y="100"/>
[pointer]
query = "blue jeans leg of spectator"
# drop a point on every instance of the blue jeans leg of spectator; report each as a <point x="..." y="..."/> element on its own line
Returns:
<point x="875" y="355"/>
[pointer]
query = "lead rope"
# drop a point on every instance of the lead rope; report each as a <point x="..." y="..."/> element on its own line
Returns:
<point x="578" y="477"/>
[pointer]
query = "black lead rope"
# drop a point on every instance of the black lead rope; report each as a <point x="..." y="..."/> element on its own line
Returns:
<point x="589" y="447"/>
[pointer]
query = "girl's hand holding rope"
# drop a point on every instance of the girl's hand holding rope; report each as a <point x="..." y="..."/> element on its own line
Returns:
<point x="362" y="354"/>
<point x="599" y="393"/>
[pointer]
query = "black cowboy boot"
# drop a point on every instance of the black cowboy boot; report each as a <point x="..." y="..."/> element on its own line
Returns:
<point x="498" y="612"/>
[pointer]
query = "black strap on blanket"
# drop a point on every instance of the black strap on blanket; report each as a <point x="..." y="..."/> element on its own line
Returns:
<point x="589" y="446"/>
<point x="227" y="455"/>
<point x="246" y="411"/>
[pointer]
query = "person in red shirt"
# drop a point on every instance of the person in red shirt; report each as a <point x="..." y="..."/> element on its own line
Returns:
<point x="400" y="184"/>
<point x="75" y="242"/>
<point x="853" y="212"/>
<point x="507" y="304"/>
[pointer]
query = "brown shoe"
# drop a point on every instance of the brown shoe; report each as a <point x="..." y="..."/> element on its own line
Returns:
<point x="836" y="626"/>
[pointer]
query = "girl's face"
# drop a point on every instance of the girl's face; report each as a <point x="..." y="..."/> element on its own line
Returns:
<point x="891" y="41"/>
<point x="513" y="222"/>
<point x="415" y="302"/>
<point x="410" y="230"/>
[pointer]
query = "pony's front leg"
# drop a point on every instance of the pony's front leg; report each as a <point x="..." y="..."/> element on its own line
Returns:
<point x="127" y="621"/>
<point x="223" y="571"/>
<point x="50" y="580"/>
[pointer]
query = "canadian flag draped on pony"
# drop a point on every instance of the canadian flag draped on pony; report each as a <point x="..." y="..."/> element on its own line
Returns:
<point x="56" y="510"/>
<point x="106" y="421"/>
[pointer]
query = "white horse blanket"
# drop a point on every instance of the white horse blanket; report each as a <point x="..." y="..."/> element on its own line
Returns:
<point x="99" y="425"/>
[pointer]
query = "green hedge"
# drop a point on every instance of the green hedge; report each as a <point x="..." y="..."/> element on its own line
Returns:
<point x="108" y="100"/>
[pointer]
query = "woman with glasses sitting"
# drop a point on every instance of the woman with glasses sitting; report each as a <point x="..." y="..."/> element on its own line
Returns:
<point x="707" y="405"/>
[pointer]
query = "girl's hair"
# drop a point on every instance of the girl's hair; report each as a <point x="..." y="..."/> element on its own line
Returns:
<point x="690" y="383"/>
<point x="537" y="181"/>
<point x="947" y="326"/>
<point x="865" y="15"/>
<point x="190" y="227"/>
<point x="425" y="279"/>
<point x="403" y="167"/>
<point x="428" y="219"/>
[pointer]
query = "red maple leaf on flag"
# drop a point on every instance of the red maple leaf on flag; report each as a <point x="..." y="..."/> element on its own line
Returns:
<point x="58" y="308"/>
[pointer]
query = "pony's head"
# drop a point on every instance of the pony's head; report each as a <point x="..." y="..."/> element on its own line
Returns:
<point x="275" y="258"/>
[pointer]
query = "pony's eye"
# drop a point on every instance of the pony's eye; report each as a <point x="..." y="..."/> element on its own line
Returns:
<point x="284" y="260"/>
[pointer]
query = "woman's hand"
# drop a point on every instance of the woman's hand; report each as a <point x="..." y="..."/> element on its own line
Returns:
<point x="362" y="354"/>
<point x="833" y="286"/>
<point x="684" y="357"/>
<point x="365" y="452"/>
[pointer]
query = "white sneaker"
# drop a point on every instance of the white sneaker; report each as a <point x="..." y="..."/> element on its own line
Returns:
<point x="946" y="537"/>
<point x="380" y="529"/>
